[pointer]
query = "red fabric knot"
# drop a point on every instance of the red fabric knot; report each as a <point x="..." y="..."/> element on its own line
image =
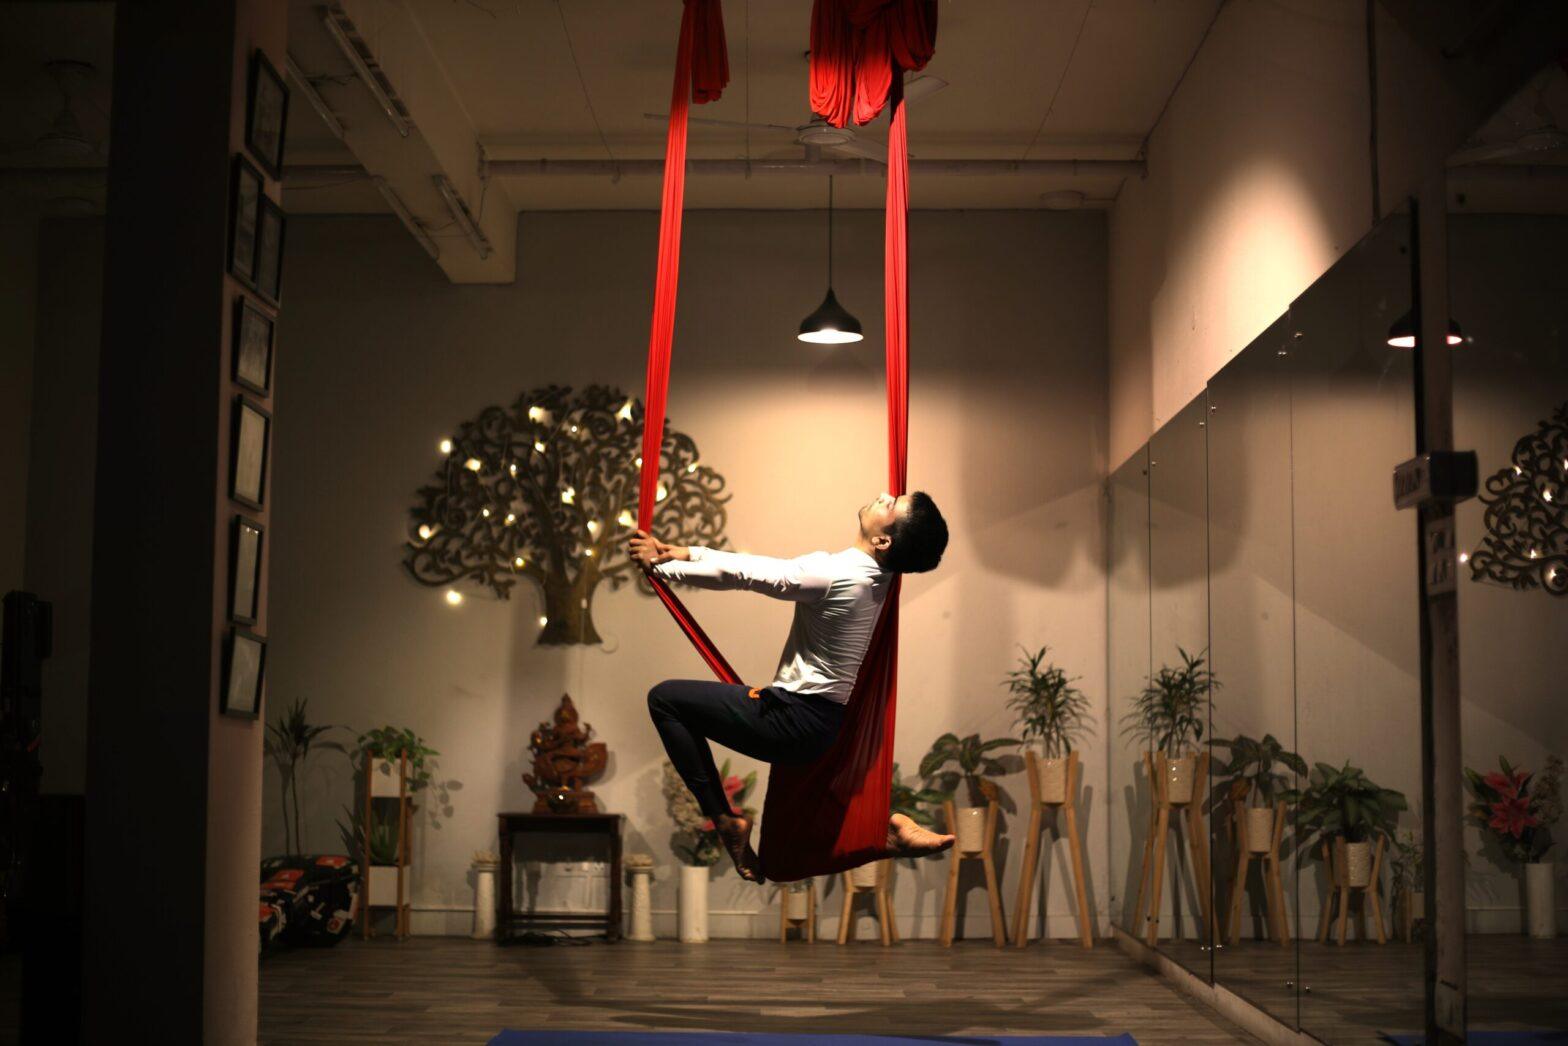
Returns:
<point x="857" y="47"/>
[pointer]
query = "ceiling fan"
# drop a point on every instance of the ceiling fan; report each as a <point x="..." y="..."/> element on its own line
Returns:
<point x="818" y="134"/>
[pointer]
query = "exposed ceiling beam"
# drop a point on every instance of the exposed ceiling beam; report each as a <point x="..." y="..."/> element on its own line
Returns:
<point x="731" y="168"/>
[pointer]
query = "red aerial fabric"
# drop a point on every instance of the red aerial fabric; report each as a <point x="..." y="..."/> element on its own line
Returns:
<point x="829" y="815"/>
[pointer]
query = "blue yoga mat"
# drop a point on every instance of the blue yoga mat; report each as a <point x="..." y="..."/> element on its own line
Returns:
<point x="721" y="1038"/>
<point x="1488" y="1038"/>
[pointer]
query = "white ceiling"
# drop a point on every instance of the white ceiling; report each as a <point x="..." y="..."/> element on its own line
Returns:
<point x="1109" y="65"/>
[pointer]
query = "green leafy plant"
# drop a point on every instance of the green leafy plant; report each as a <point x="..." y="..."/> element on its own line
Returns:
<point x="1169" y="714"/>
<point x="1407" y="864"/>
<point x="974" y="765"/>
<point x="1254" y="771"/>
<point x="288" y="743"/>
<point x="382" y="839"/>
<point x="1049" y="708"/>
<point x="1344" y="801"/>
<point x="389" y="742"/>
<point x="1518" y="808"/>
<point x="915" y="803"/>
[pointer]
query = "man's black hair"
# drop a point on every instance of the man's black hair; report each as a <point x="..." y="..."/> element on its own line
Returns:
<point x="919" y="539"/>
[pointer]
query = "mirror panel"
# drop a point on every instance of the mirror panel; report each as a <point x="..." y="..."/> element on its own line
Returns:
<point x="1127" y="672"/>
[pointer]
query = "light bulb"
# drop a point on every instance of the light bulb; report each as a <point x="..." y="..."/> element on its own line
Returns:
<point x="535" y="413"/>
<point x="485" y="513"/>
<point x="519" y="562"/>
<point x="692" y="467"/>
<point x="662" y="493"/>
<point x="1518" y="471"/>
<point x="1464" y="557"/>
<point x="1546" y="494"/>
<point x="625" y="518"/>
<point x="538" y="447"/>
<point x="588" y="552"/>
<point x="446" y="446"/>
<point x="568" y="496"/>
<point x="625" y="413"/>
<point x="639" y="461"/>
<point x="593" y="526"/>
<point x="574" y="430"/>
<point x="543" y="621"/>
<point x="425" y="532"/>
<point x="453" y="596"/>
<point x="473" y="465"/>
<point x="1535" y="553"/>
<point x="511" y="517"/>
<point x="512" y="468"/>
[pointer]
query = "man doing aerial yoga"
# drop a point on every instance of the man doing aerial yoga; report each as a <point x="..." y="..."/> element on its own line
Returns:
<point x="838" y="597"/>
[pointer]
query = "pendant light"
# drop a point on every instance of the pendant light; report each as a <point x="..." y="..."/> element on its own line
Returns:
<point x="1402" y="335"/>
<point x="831" y="324"/>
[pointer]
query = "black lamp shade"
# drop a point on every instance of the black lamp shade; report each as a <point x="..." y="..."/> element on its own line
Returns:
<point x="831" y="324"/>
<point x="1402" y="335"/>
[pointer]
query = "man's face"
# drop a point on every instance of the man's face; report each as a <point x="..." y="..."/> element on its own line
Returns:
<point x="880" y="515"/>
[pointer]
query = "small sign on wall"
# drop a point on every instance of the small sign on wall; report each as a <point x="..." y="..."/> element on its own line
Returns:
<point x="1442" y="557"/>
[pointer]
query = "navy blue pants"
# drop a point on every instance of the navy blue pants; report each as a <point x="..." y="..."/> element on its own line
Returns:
<point x="776" y="726"/>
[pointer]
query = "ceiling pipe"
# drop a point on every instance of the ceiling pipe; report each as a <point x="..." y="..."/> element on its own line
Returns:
<point x="744" y="168"/>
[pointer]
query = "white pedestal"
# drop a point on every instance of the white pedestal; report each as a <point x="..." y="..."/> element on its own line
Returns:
<point x="1540" y="899"/>
<point x="694" y="904"/>
<point x="641" y="913"/>
<point x="484" y="902"/>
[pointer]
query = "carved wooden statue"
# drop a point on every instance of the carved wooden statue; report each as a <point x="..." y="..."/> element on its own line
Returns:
<point x="563" y="759"/>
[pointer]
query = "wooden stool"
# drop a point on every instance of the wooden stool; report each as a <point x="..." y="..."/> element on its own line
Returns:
<point x="880" y="903"/>
<point x="1273" y="887"/>
<point x="1339" y="886"/>
<point x="1069" y="810"/>
<point x="807" y="927"/>
<point x="950" y="905"/>
<point x="1153" y="871"/>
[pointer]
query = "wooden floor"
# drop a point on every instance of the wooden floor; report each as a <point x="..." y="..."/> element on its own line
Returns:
<point x="454" y="990"/>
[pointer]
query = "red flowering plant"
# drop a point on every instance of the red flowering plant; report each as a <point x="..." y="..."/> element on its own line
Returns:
<point x="1517" y="807"/>
<point x="696" y="841"/>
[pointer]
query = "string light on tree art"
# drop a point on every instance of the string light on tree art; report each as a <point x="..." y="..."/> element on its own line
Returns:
<point x="547" y="489"/>
<point x="1526" y="541"/>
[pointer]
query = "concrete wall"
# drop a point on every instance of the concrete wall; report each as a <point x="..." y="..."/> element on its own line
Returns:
<point x="379" y="357"/>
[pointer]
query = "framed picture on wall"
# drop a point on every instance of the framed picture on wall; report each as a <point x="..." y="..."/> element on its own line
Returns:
<point x="245" y="209"/>
<point x="252" y="347"/>
<point x="266" y="115"/>
<point x="245" y="570"/>
<point x="244" y="674"/>
<point x="248" y="472"/>
<point x="269" y="251"/>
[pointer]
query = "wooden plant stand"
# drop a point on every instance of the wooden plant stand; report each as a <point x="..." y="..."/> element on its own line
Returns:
<point x="1273" y="886"/>
<point x="984" y="856"/>
<point x="1152" y="874"/>
<point x="394" y="790"/>
<point x="882" y="904"/>
<point x="1068" y="811"/>
<point x="1339" y="887"/>
<point x="807" y="927"/>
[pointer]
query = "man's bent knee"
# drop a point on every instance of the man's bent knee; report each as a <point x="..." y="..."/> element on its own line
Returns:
<point x="660" y="699"/>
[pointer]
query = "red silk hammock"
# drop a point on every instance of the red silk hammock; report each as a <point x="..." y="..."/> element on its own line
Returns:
<point x="830" y="815"/>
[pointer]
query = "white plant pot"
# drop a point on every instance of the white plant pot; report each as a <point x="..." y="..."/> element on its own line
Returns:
<point x="1179" y="775"/>
<point x="383" y="779"/>
<point x="641" y="910"/>
<point x="1260" y="829"/>
<point x="484" y="902"/>
<point x="971" y="829"/>
<point x="693" y="904"/>
<point x="383" y="885"/>
<point x="1540" y="899"/>
<point x="1358" y="864"/>
<point x="865" y="876"/>
<point x="797" y="904"/>
<point x="1051" y="777"/>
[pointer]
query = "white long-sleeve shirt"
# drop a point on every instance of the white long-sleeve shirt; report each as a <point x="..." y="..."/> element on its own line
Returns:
<point x="837" y="595"/>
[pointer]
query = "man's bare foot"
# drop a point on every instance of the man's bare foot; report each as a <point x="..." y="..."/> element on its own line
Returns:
<point x="905" y="838"/>
<point x="735" y="833"/>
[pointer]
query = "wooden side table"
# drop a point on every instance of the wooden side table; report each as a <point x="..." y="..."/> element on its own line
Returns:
<point x="510" y="825"/>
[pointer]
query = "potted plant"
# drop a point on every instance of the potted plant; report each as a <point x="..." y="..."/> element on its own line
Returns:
<point x="914" y="803"/>
<point x="1344" y="803"/>
<point x="385" y="745"/>
<point x="1407" y="874"/>
<point x="1253" y="780"/>
<point x="974" y="766"/>
<point x="1052" y="712"/>
<point x="1169" y="716"/>
<point x="1518" y="809"/>
<point x="696" y="842"/>
<point x="289" y="743"/>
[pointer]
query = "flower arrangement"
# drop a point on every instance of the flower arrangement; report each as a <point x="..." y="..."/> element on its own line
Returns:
<point x="696" y="840"/>
<point x="1518" y="807"/>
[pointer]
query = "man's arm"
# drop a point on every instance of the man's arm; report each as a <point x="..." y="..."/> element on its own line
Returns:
<point x="710" y="568"/>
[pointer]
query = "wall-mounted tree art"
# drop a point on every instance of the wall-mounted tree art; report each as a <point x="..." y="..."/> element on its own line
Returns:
<point x="546" y="489"/>
<point x="1526" y="540"/>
